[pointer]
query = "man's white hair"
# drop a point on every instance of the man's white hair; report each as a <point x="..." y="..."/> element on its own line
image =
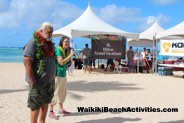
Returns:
<point x="44" y="25"/>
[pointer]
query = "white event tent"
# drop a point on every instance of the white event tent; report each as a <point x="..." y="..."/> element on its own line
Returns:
<point x="176" y="32"/>
<point x="89" y="24"/>
<point x="146" y="38"/>
<point x="173" y="34"/>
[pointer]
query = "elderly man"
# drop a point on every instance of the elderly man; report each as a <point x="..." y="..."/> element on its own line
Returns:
<point x="39" y="61"/>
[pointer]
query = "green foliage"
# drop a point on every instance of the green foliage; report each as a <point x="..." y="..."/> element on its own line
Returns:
<point x="39" y="56"/>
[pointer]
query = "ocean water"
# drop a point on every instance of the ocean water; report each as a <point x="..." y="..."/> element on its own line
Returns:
<point x="11" y="55"/>
<point x="15" y="55"/>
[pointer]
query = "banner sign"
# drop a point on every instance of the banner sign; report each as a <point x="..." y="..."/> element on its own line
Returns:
<point x="172" y="47"/>
<point x="107" y="49"/>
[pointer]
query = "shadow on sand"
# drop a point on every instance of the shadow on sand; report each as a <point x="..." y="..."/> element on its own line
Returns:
<point x="83" y="86"/>
<point x="111" y="120"/>
<point x="4" y="91"/>
<point x="179" y="121"/>
<point x="85" y="113"/>
<point x="75" y="96"/>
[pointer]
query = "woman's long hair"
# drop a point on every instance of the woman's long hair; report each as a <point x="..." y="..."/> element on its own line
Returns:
<point x="61" y="43"/>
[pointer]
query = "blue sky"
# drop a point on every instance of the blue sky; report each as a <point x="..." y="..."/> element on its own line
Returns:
<point x="20" y="18"/>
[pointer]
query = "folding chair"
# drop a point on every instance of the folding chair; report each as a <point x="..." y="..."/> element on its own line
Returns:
<point x="118" y="67"/>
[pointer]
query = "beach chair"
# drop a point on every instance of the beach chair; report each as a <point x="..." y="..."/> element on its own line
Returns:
<point x="117" y="67"/>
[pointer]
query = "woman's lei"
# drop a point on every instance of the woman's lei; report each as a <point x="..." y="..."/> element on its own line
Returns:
<point x="63" y="51"/>
<point x="41" y="51"/>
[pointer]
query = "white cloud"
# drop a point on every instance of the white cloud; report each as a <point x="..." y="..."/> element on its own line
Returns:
<point x="160" y="17"/>
<point x="148" y="21"/>
<point x="117" y="15"/>
<point x="164" y="2"/>
<point x="22" y="13"/>
<point x="33" y="13"/>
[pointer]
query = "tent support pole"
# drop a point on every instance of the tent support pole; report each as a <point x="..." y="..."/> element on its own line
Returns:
<point x="138" y="60"/>
<point x="156" y="57"/>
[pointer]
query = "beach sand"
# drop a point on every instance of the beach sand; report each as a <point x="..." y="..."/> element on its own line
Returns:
<point x="98" y="89"/>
